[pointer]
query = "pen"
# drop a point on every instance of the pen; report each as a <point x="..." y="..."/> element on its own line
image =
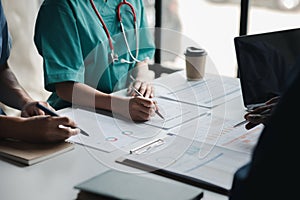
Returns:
<point x="52" y="113"/>
<point x="240" y="123"/>
<point x="140" y="94"/>
<point x="260" y="114"/>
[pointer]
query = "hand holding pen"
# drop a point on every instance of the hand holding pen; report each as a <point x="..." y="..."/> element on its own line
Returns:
<point x="146" y="89"/>
<point x="147" y="93"/>
<point x="156" y="108"/>
<point x="54" y="114"/>
<point x="259" y="115"/>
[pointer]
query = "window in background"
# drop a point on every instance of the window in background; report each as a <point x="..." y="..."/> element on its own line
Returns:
<point x="267" y="15"/>
<point x="212" y="24"/>
<point x="273" y="15"/>
<point x="203" y="23"/>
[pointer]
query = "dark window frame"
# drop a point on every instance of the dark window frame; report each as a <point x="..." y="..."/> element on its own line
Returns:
<point x="244" y="8"/>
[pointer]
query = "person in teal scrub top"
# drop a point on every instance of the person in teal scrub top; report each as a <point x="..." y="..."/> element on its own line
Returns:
<point x="72" y="36"/>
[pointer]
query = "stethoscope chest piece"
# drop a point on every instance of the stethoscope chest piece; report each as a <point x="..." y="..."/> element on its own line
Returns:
<point x="112" y="57"/>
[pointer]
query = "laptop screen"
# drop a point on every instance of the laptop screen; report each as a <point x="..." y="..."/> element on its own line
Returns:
<point x="265" y="62"/>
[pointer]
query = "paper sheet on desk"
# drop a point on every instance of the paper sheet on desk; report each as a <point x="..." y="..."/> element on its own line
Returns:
<point x="180" y="159"/>
<point x="214" y="130"/>
<point x="209" y="92"/>
<point x="106" y="133"/>
<point x="212" y="157"/>
<point x="175" y="113"/>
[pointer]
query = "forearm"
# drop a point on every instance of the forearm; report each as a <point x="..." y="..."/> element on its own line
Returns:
<point x="84" y="95"/>
<point x="12" y="94"/>
<point x="135" y="108"/>
<point x="35" y="129"/>
<point x="10" y="127"/>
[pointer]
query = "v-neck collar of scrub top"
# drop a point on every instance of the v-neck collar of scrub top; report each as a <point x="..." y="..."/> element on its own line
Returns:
<point x="102" y="5"/>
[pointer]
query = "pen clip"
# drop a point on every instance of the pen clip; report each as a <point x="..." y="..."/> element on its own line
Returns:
<point x="146" y="147"/>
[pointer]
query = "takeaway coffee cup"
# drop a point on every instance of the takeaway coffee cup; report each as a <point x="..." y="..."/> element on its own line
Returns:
<point x="195" y="59"/>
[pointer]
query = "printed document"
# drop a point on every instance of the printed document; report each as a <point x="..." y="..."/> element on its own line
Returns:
<point x="213" y="157"/>
<point x="208" y="92"/>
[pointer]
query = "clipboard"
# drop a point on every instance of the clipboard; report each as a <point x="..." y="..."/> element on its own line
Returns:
<point x="214" y="172"/>
<point x="175" y="176"/>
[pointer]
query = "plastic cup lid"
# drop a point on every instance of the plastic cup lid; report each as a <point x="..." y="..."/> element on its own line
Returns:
<point x="194" y="51"/>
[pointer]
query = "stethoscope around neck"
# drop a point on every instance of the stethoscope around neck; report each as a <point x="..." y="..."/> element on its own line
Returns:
<point x="114" y="56"/>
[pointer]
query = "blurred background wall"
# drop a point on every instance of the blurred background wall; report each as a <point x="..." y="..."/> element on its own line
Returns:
<point x="24" y="60"/>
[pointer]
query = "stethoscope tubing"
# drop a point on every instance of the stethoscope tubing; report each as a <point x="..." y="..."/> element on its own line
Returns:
<point x="114" y="56"/>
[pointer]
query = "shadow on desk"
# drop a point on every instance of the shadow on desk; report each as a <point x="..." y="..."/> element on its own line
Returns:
<point x="159" y="70"/>
<point x="82" y="195"/>
<point x="98" y="111"/>
<point x="12" y="162"/>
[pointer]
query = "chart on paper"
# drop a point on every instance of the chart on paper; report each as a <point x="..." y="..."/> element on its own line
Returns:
<point x="106" y="133"/>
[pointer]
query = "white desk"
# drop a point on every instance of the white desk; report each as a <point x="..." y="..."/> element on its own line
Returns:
<point x="55" y="178"/>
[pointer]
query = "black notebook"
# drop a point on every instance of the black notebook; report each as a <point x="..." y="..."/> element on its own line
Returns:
<point x="114" y="184"/>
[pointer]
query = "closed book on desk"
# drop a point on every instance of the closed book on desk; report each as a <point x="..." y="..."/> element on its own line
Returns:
<point x="31" y="153"/>
<point x="121" y="185"/>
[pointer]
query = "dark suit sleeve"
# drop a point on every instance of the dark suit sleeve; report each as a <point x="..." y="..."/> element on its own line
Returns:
<point x="274" y="167"/>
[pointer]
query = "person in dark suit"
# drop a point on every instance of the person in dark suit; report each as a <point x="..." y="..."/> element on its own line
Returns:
<point x="273" y="170"/>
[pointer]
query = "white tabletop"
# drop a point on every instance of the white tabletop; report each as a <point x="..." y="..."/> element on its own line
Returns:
<point x="56" y="177"/>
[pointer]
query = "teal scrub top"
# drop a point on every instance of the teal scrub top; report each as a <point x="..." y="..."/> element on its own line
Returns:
<point x="74" y="46"/>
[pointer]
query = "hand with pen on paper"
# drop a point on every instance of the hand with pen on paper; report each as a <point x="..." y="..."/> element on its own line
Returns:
<point x="140" y="80"/>
<point x="36" y="126"/>
<point x="141" y="106"/>
<point x="261" y="114"/>
<point x="145" y="88"/>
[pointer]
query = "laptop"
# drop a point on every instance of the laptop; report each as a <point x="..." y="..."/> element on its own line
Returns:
<point x="266" y="64"/>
